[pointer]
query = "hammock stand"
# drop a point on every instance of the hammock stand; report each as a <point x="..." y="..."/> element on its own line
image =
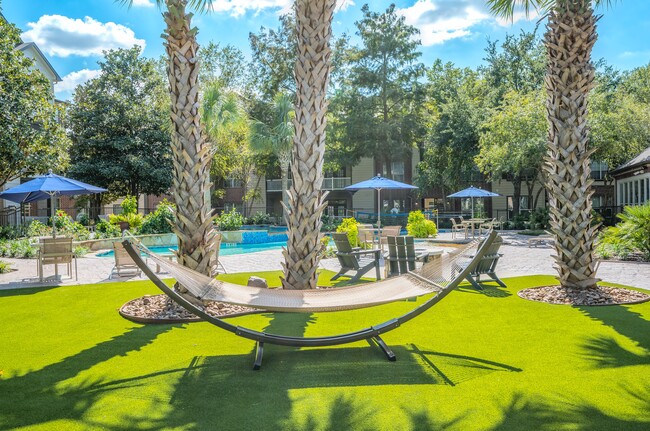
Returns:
<point x="371" y="334"/>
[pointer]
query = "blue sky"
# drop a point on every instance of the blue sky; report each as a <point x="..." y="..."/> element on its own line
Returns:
<point x="72" y="33"/>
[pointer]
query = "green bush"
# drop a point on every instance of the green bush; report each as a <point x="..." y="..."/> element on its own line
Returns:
<point x="329" y="223"/>
<point x="259" y="218"/>
<point x="350" y="227"/>
<point x="419" y="227"/>
<point x="5" y="267"/>
<point x="13" y="232"/>
<point x="20" y="249"/>
<point x="103" y="229"/>
<point x="539" y="219"/>
<point x="129" y="205"/>
<point x="231" y="220"/>
<point x="83" y="219"/>
<point x="79" y="251"/>
<point x="65" y="227"/>
<point x="611" y="244"/>
<point x="161" y="220"/>
<point x="520" y="222"/>
<point x="635" y="228"/>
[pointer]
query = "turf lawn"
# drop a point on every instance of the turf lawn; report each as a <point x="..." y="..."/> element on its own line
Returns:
<point x="478" y="360"/>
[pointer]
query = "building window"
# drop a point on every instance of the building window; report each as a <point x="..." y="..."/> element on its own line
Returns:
<point x="599" y="170"/>
<point x="335" y="174"/>
<point x="232" y="183"/>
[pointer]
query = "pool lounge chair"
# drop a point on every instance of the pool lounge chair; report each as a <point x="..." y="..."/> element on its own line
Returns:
<point x="437" y="279"/>
<point x="124" y="265"/>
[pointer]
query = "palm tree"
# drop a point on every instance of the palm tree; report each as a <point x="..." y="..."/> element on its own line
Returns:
<point x="191" y="153"/>
<point x="306" y="200"/>
<point x="570" y="37"/>
<point x="277" y="138"/>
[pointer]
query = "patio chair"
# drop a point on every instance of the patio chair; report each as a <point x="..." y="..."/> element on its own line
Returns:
<point x="456" y="227"/>
<point x="124" y="263"/>
<point x="402" y="255"/>
<point x="386" y="232"/>
<point x="56" y="251"/>
<point x="485" y="266"/>
<point x="359" y="261"/>
<point x="490" y="224"/>
<point x="366" y="237"/>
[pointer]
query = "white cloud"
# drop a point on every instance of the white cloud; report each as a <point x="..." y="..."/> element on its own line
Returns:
<point x="142" y="3"/>
<point x="62" y="36"/>
<point x="443" y="20"/>
<point x="237" y="8"/>
<point x="70" y="82"/>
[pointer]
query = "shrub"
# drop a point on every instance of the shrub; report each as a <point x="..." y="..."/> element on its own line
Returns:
<point x="65" y="227"/>
<point x="103" y="229"/>
<point x="129" y="205"/>
<point x="230" y="220"/>
<point x="419" y="227"/>
<point x="5" y="267"/>
<point x="635" y="228"/>
<point x="612" y="243"/>
<point x="329" y="223"/>
<point x="350" y="227"/>
<point x="133" y="219"/>
<point x="79" y="251"/>
<point x="13" y="232"/>
<point x="161" y="220"/>
<point x="539" y="219"/>
<point x="83" y="219"/>
<point x="259" y="218"/>
<point x="18" y="248"/>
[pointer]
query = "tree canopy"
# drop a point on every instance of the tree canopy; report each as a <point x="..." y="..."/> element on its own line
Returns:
<point x="32" y="140"/>
<point x="120" y="128"/>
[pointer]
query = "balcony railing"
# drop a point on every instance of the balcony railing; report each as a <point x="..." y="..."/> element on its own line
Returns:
<point x="337" y="183"/>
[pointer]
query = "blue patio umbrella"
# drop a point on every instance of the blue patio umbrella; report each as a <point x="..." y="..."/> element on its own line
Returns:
<point x="379" y="183"/>
<point x="473" y="192"/>
<point x="47" y="187"/>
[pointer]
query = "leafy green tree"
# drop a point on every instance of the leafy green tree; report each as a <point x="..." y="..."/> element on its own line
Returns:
<point x="273" y="58"/>
<point x="513" y="142"/>
<point x="225" y="66"/>
<point x="119" y="127"/>
<point x="31" y="138"/>
<point x="277" y="137"/>
<point x="380" y="100"/>
<point x="229" y="132"/>
<point x="518" y="64"/>
<point x="455" y="100"/>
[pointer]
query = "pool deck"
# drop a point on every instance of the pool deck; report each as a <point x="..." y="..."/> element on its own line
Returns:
<point x="518" y="259"/>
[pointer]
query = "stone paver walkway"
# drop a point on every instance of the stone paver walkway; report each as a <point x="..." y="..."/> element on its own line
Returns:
<point x="518" y="259"/>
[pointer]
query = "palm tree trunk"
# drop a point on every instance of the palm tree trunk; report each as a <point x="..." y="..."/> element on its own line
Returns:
<point x="191" y="154"/>
<point x="570" y="37"/>
<point x="306" y="200"/>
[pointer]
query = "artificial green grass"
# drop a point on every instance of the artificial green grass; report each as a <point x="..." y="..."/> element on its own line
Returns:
<point x="478" y="360"/>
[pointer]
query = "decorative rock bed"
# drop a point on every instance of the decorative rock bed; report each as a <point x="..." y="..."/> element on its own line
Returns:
<point x="161" y="309"/>
<point x="601" y="295"/>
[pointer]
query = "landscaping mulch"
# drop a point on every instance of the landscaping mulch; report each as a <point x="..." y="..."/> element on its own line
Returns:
<point x="161" y="309"/>
<point x="601" y="295"/>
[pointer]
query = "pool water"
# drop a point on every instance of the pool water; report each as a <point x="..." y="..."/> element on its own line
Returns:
<point x="227" y="249"/>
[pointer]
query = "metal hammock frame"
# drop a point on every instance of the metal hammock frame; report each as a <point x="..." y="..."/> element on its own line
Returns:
<point x="372" y="334"/>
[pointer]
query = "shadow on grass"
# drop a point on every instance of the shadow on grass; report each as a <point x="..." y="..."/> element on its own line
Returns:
<point x="43" y="395"/>
<point x="575" y="414"/>
<point x="606" y="351"/>
<point x="490" y="289"/>
<point x="25" y="291"/>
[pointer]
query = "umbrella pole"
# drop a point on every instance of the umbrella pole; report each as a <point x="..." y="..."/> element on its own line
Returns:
<point x="472" y="207"/>
<point x="53" y="209"/>
<point x="379" y="210"/>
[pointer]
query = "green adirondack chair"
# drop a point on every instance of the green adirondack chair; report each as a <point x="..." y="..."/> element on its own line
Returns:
<point x="354" y="259"/>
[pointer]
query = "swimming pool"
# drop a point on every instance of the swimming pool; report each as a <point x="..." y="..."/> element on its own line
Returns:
<point x="227" y="249"/>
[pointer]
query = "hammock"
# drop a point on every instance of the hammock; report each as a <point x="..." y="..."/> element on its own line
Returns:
<point x="439" y="276"/>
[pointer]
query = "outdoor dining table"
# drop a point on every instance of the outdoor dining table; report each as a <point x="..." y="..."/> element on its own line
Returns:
<point x="473" y="223"/>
